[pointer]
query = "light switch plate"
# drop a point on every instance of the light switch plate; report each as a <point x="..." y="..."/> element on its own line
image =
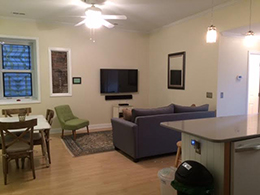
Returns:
<point x="222" y="95"/>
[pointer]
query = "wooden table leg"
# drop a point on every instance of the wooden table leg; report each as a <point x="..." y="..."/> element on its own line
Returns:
<point x="45" y="148"/>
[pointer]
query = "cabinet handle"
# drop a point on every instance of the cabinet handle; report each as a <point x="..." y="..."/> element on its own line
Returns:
<point x="247" y="148"/>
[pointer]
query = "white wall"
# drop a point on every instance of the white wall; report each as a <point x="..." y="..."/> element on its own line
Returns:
<point x="233" y="61"/>
<point x="113" y="49"/>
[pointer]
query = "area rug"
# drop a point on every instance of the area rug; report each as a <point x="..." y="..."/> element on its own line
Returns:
<point x="91" y="143"/>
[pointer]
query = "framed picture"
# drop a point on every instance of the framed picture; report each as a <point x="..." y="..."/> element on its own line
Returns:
<point x="60" y="72"/>
<point x="76" y="80"/>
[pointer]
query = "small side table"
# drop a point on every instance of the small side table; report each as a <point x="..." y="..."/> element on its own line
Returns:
<point x="118" y="110"/>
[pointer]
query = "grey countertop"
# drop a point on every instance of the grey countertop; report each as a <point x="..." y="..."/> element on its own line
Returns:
<point x="219" y="129"/>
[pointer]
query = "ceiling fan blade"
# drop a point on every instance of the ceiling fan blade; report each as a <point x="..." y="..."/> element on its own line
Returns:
<point x="107" y="24"/>
<point x="114" y="17"/>
<point x="72" y="16"/>
<point x="80" y="23"/>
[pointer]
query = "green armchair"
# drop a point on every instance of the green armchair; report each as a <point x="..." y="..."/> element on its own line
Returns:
<point x="68" y="121"/>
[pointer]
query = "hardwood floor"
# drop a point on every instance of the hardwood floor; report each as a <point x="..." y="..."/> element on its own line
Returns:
<point x="109" y="173"/>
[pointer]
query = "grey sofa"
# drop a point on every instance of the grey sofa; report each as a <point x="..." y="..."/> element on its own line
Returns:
<point x="144" y="137"/>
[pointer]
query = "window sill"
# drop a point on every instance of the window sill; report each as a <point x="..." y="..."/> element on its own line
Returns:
<point x="22" y="101"/>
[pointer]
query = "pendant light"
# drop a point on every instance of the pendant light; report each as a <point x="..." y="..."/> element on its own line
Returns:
<point x="250" y="38"/>
<point x="212" y="30"/>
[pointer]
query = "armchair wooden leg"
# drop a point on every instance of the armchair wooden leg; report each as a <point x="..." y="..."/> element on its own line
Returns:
<point x="87" y="129"/>
<point x="62" y="133"/>
<point x="74" y="134"/>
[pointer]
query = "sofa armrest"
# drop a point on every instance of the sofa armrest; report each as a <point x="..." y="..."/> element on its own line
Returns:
<point x="125" y="136"/>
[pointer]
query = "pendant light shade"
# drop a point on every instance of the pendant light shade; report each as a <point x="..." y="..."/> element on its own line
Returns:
<point x="212" y="34"/>
<point x="250" y="36"/>
<point x="250" y="39"/>
<point x="212" y="30"/>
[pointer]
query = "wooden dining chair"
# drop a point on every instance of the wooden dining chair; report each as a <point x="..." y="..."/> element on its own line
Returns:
<point x="37" y="138"/>
<point x="49" y="118"/>
<point x="10" y="112"/>
<point x="18" y="146"/>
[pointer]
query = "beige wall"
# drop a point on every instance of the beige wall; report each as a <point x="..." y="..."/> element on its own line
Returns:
<point x="113" y="49"/>
<point x="201" y="64"/>
<point x="207" y="65"/>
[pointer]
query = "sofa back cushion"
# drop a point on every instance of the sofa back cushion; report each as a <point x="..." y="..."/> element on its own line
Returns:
<point x="181" y="109"/>
<point x="151" y="111"/>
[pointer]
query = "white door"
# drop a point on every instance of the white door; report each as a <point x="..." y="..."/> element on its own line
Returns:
<point x="253" y="83"/>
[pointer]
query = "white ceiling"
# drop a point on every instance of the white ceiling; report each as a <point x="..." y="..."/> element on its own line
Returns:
<point x="241" y="31"/>
<point x="142" y="15"/>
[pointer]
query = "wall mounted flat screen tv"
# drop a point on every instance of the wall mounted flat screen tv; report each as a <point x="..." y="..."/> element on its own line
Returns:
<point x="118" y="80"/>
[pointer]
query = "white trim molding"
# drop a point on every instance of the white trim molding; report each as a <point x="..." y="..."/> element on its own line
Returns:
<point x="69" y="78"/>
<point x="36" y="87"/>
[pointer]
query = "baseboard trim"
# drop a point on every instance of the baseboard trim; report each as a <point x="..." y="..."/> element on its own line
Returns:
<point x="100" y="126"/>
<point x="95" y="127"/>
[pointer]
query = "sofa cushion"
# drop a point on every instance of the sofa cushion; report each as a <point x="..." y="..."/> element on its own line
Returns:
<point x="180" y="109"/>
<point x="127" y="114"/>
<point x="151" y="111"/>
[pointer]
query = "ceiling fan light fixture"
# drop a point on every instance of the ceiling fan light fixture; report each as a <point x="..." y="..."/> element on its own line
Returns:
<point x="212" y="34"/>
<point x="93" y="17"/>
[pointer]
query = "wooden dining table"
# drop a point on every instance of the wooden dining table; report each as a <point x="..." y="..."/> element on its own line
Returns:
<point x="42" y="124"/>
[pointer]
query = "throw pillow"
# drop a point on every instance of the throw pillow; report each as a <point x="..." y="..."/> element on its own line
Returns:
<point x="127" y="114"/>
<point x="151" y="111"/>
<point x="180" y="109"/>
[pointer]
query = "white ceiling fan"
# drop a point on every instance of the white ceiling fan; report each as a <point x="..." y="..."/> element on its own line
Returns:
<point x="94" y="18"/>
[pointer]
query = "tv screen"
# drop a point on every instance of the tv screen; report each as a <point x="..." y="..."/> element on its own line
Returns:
<point x="118" y="80"/>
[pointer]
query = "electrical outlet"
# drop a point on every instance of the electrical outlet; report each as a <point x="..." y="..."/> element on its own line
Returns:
<point x="196" y="145"/>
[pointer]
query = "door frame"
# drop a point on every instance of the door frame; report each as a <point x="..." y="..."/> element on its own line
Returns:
<point x="248" y="65"/>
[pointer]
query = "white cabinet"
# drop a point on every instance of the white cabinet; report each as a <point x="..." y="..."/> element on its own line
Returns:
<point x="118" y="110"/>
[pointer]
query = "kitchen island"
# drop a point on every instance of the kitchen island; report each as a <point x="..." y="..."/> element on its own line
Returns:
<point x="229" y="149"/>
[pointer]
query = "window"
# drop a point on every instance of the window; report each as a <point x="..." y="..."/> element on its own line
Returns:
<point x="18" y="71"/>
